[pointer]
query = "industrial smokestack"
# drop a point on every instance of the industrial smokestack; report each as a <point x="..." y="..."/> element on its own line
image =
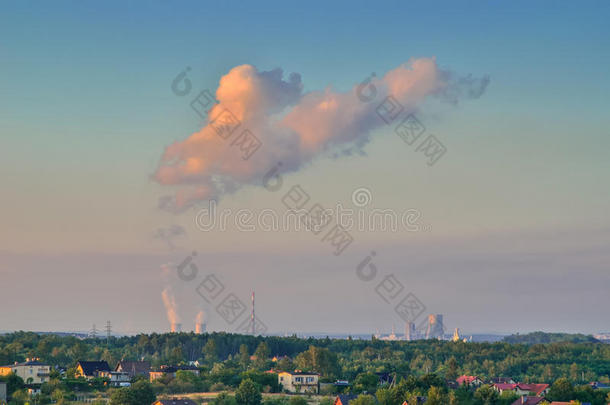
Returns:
<point x="171" y="309"/>
<point x="410" y="331"/>
<point x="200" y="322"/>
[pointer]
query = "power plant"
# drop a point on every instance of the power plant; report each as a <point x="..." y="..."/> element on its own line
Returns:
<point x="200" y="323"/>
<point x="435" y="330"/>
<point x="410" y="333"/>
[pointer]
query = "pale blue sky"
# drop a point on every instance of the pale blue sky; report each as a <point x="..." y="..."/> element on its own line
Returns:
<point x="517" y="209"/>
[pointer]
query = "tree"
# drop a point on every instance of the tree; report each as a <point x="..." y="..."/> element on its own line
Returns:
<point x="452" y="368"/>
<point x="561" y="390"/>
<point x="363" y="399"/>
<point x="366" y="382"/>
<point x="486" y="395"/>
<point x="143" y="392"/>
<point x="244" y="356"/>
<point x="224" y="399"/>
<point x="262" y="354"/>
<point x="248" y="393"/>
<point x="13" y="383"/>
<point x="385" y="396"/>
<point x="436" y="397"/>
<point x="122" y="396"/>
<point x="210" y="351"/>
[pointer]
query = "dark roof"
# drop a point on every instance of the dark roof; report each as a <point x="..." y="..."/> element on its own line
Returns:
<point x="345" y="399"/>
<point x="299" y="373"/>
<point x="91" y="367"/>
<point x="528" y="401"/>
<point x="175" y="401"/>
<point x="134" y="368"/>
<point x="27" y="363"/>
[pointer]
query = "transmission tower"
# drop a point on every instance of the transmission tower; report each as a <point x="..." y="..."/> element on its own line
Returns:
<point x="93" y="332"/>
<point x="108" y="332"/>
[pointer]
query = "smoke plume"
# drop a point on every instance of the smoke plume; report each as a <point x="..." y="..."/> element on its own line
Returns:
<point x="293" y="127"/>
<point x="170" y="306"/>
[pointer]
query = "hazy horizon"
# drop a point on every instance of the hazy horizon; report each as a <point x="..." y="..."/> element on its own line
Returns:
<point x="497" y="178"/>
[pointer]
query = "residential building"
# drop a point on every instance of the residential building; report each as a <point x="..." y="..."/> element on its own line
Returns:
<point x="133" y="368"/>
<point x="344" y="399"/>
<point x="117" y="378"/>
<point x="471" y="380"/>
<point x="175" y="401"/>
<point x="522" y="389"/>
<point x="502" y="380"/>
<point x="32" y="371"/>
<point x="299" y="382"/>
<point x="171" y="371"/>
<point x="91" y="369"/>
<point x="599" y="385"/>
<point x="529" y="400"/>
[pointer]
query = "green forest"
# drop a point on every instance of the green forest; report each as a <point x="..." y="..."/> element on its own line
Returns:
<point x="227" y="361"/>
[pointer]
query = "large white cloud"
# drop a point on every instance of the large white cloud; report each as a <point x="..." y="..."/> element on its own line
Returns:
<point x="293" y="127"/>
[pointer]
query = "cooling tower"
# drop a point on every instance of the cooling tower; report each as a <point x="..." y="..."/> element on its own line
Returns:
<point x="410" y="331"/>
<point x="435" y="327"/>
<point x="176" y="327"/>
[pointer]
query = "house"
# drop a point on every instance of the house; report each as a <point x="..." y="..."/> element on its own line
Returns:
<point x="599" y="385"/>
<point x="175" y="401"/>
<point x="502" y="380"/>
<point x="91" y="369"/>
<point x="528" y="400"/>
<point x="170" y="371"/>
<point x="344" y="399"/>
<point x="522" y="389"/>
<point x="539" y="390"/>
<point x="117" y="378"/>
<point x="471" y="380"/>
<point x="32" y="371"/>
<point x="133" y="368"/>
<point x="569" y="403"/>
<point x="299" y="382"/>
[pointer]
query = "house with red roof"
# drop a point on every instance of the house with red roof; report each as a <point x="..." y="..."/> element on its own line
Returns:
<point x="472" y="380"/>
<point x="522" y="389"/>
<point x="527" y="400"/>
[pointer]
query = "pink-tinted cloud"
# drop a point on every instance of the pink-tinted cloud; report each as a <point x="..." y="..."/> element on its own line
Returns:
<point x="293" y="127"/>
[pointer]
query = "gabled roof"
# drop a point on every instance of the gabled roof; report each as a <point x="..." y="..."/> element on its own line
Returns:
<point x="133" y="367"/>
<point x="467" y="379"/>
<point x="91" y="367"/>
<point x="535" y="388"/>
<point x="344" y="399"/>
<point x="175" y="401"/>
<point x="528" y="401"/>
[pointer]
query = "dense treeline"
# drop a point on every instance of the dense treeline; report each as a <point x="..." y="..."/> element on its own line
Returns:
<point x="526" y="363"/>
<point x="545" y="337"/>
<point x="229" y="362"/>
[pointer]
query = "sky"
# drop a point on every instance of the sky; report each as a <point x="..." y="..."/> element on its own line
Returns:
<point x="107" y="172"/>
